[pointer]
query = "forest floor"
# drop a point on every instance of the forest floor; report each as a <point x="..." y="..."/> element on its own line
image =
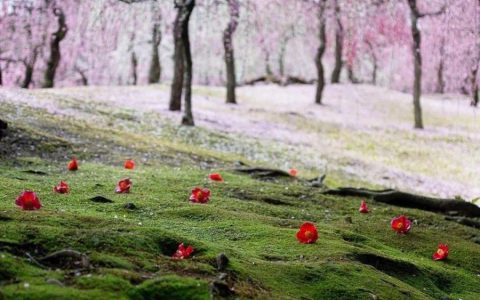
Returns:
<point x="362" y="136"/>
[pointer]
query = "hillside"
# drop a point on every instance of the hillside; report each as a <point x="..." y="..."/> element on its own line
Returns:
<point x="253" y="221"/>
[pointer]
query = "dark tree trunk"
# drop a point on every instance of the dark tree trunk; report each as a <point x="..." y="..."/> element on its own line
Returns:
<point x="134" y="64"/>
<point x="337" y="70"/>
<point x="234" y="7"/>
<point x="374" y="63"/>
<point x="351" y="75"/>
<point x="1" y="77"/>
<point x="28" y="76"/>
<point x="440" y="88"/>
<point x="320" y="51"/>
<point x="179" y="64"/>
<point x="155" y="71"/>
<point x="188" y="115"/>
<point x="417" y="61"/>
<point x="83" y="76"/>
<point x="55" y="55"/>
<point x="474" y="86"/>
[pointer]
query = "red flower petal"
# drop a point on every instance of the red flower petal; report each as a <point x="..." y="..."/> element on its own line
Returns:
<point x="200" y="195"/>
<point x="61" y="188"/>
<point x="123" y="186"/>
<point x="307" y="234"/>
<point x="28" y="200"/>
<point x="441" y="253"/>
<point x="363" y="207"/>
<point x="73" y="165"/>
<point x="183" y="252"/>
<point x="401" y="224"/>
<point x="215" y="177"/>
<point x="129" y="164"/>
<point x="293" y="172"/>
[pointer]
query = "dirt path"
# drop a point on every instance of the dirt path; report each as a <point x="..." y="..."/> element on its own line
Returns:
<point x="363" y="133"/>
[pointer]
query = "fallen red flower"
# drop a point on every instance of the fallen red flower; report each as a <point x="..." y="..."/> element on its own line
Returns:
<point x="183" y="252"/>
<point x="215" y="177"/>
<point x="61" y="188"/>
<point x="401" y="224"/>
<point x="129" y="164"/>
<point x="28" y="200"/>
<point x="307" y="234"/>
<point x="363" y="207"/>
<point x="73" y="165"/>
<point x="441" y="253"/>
<point x="293" y="172"/>
<point x="200" y="195"/>
<point x="123" y="186"/>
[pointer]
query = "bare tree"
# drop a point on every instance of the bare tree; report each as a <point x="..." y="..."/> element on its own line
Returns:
<point x="321" y="5"/>
<point x="186" y="7"/>
<point x="155" y="71"/>
<point x="415" y="16"/>
<point x="234" y="10"/>
<point x="339" y="33"/>
<point x="55" y="55"/>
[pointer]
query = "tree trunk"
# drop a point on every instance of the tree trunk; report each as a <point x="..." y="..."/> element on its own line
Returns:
<point x="3" y="128"/>
<point x="338" y="45"/>
<point x="134" y="64"/>
<point x="234" y="7"/>
<point x="440" y="88"/>
<point x="351" y="75"/>
<point x="320" y="51"/>
<point x="188" y="115"/>
<point x="374" y="62"/>
<point x="28" y="76"/>
<point x="55" y="55"/>
<point x="179" y="65"/>
<point x="417" y="60"/>
<point x="155" y="71"/>
<point x="474" y="86"/>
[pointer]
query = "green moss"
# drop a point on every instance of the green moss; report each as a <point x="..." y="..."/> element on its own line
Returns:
<point x="253" y="222"/>
<point x="171" y="287"/>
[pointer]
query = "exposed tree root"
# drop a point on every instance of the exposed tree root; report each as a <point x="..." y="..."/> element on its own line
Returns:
<point x="464" y="221"/>
<point x="264" y="173"/>
<point x="66" y="259"/>
<point x="402" y="199"/>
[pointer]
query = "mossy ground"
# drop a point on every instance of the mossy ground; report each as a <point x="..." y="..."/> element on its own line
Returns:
<point x="130" y="250"/>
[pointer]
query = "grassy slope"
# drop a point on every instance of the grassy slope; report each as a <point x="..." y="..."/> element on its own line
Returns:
<point x="130" y="249"/>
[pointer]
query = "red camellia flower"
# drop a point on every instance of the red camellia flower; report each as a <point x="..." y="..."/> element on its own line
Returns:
<point x="200" y="195"/>
<point x="183" y="252"/>
<point x="363" y="207"/>
<point x="123" y="186"/>
<point x="442" y="252"/>
<point x="293" y="172"/>
<point x="61" y="188"/>
<point x="215" y="177"/>
<point x="129" y="164"/>
<point x="73" y="164"/>
<point x="307" y="234"/>
<point x="401" y="224"/>
<point x="28" y="200"/>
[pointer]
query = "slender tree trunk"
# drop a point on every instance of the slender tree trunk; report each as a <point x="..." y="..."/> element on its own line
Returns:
<point x="55" y="55"/>
<point x="234" y="8"/>
<point x="374" y="62"/>
<point x="179" y="65"/>
<point x="417" y="61"/>
<point x="188" y="115"/>
<point x="474" y="86"/>
<point x="337" y="70"/>
<point x="155" y="71"/>
<point x="320" y="51"/>
<point x="28" y="76"/>
<point x="134" y="64"/>
<point x="440" y="88"/>
<point x="351" y="75"/>
<point x="1" y="76"/>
